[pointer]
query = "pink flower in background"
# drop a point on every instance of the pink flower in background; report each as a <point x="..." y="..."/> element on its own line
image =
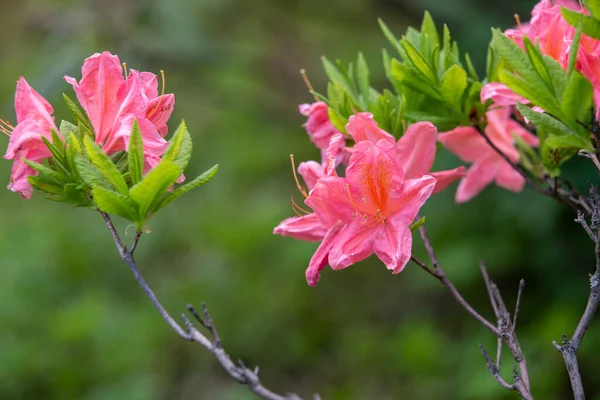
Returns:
<point x="488" y="166"/>
<point x="500" y="94"/>
<point x="367" y="212"/>
<point x="113" y="102"/>
<point x="34" y="121"/>
<point x="318" y="126"/>
<point x="415" y="150"/>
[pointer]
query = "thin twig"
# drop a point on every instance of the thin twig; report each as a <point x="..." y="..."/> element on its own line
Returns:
<point x="239" y="372"/>
<point x="135" y="242"/>
<point x="504" y="330"/>
<point x="518" y="304"/>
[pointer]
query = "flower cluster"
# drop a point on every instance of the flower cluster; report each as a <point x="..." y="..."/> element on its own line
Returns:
<point x="370" y="208"/>
<point x="112" y="100"/>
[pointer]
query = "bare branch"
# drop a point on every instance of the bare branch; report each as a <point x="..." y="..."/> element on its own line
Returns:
<point x="570" y="347"/>
<point x="136" y="239"/>
<point x="518" y="304"/>
<point x="494" y="370"/>
<point x="239" y="371"/>
<point x="504" y="330"/>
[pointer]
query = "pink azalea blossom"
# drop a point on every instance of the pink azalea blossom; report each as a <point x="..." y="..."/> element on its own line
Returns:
<point x="367" y="212"/>
<point x="500" y="94"/>
<point x="34" y="121"/>
<point x="318" y="126"/>
<point x="112" y="102"/>
<point x="415" y="150"/>
<point x="487" y="165"/>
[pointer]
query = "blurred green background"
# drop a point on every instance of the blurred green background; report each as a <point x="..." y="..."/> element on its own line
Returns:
<point x="75" y="325"/>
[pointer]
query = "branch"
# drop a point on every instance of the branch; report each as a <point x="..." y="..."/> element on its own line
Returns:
<point x="504" y="328"/>
<point x="570" y="347"/>
<point x="570" y="198"/>
<point x="239" y="371"/>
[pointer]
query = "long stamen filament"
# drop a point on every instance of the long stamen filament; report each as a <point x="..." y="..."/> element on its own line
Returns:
<point x="352" y="200"/>
<point x="157" y="107"/>
<point x="6" y="127"/>
<point x="298" y="185"/>
<point x="299" y="210"/>
<point x="518" y="19"/>
<point x="125" y="69"/>
<point x="308" y="84"/>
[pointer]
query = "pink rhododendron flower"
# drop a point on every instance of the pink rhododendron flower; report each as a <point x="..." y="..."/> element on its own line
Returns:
<point x="500" y="94"/>
<point x="367" y="212"/>
<point x="34" y="121"/>
<point x="113" y="102"/>
<point x="318" y="126"/>
<point x="488" y="166"/>
<point x="309" y="227"/>
<point x="415" y="150"/>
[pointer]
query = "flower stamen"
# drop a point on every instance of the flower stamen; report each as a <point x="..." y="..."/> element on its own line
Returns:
<point x="518" y="19"/>
<point x="298" y="210"/>
<point x="308" y="84"/>
<point x="125" y="70"/>
<point x="154" y="109"/>
<point x="6" y="127"/>
<point x="301" y="189"/>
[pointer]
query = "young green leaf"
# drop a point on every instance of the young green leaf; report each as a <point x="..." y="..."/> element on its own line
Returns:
<point x="135" y="154"/>
<point x="79" y="116"/>
<point x="180" y="191"/>
<point x="429" y="30"/>
<point x="105" y="166"/>
<point x="589" y="25"/>
<point x="89" y="173"/>
<point x="45" y="185"/>
<point x="180" y="147"/>
<point x="115" y="203"/>
<point x="362" y="77"/>
<point x="453" y="85"/>
<point x="544" y="121"/>
<point x="45" y="171"/>
<point x="149" y="191"/>
<point x="390" y="36"/>
<point x="593" y="7"/>
<point x="419" y="62"/>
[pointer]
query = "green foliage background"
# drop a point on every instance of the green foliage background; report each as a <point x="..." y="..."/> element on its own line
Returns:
<point x="75" y="325"/>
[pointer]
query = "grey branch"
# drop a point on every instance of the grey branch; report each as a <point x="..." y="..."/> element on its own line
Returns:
<point x="504" y="329"/>
<point x="569" y="347"/>
<point x="212" y="341"/>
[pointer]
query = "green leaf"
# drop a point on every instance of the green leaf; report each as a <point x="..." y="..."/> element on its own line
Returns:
<point x="593" y="6"/>
<point x="180" y="147"/>
<point x="105" y="166"/>
<point x="419" y="62"/>
<point x="389" y="35"/>
<point x="79" y="116"/>
<point x="471" y="68"/>
<point x="336" y="76"/>
<point x="180" y="191"/>
<point x="135" y="155"/>
<point x="89" y="173"/>
<point x="511" y="55"/>
<point x="44" y="171"/>
<point x="155" y="184"/>
<point x="589" y="25"/>
<point x="114" y="203"/>
<point x="417" y="224"/>
<point x="428" y="28"/>
<point x="577" y="99"/>
<point x="539" y="96"/>
<point x="538" y="64"/>
<point x="574" y="50"/>
<point x="362" y="77"/>
<point x="45" y="185"/>
<point x="453" y="85"/>
<point x="337" y="120"/>
<point x="544" y="121"/>
<point x="555" y="150"/>
<point x="66" y="128"/>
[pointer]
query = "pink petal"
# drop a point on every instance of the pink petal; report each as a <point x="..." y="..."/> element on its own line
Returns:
<point x="361" y="126"/>
<point x="501" y="95"/>
<point x="373" y="174"/>
<point x="318" y="125"/>
<point x="408" y="202"/>
<point x="445" y="178"/>
<point x="311" y="172"/>
<point x="102" y="77"/>
<point x="320" y="258"/>
<point x="516" y="129"/>
<point x="27" y="135"/>
<point x="330" y="200"/>
<point x="478" y="177"/>
<point x="159" y="111"/>
<point x="393" y="246"/>
<point x="30" y="105"/>
<point x="307" y="227"/>
<point x="334" y="154"/>
<point x="354" y="243"/>
<point x="509" y="179"/>
<point x="18" y="176"/>
<point x="466" y="143"/>
<point x="416" y="149"/>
